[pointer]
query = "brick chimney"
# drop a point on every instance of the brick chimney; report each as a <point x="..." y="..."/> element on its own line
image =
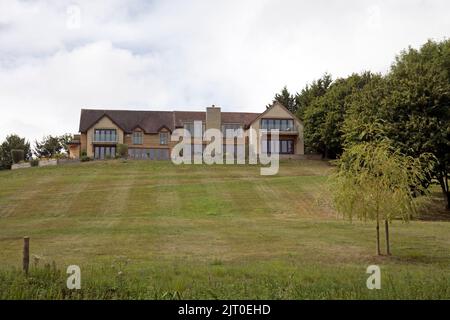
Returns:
<point x="213" y="117"/>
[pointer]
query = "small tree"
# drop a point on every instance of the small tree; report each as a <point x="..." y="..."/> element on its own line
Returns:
<point x="373" y="181"/>
<point x="122" y="150"/>
<point x="17" y="155"/>
<point x="64" y="140"/>
<point x="13" y="142"/>
<point x="48" y="147"/>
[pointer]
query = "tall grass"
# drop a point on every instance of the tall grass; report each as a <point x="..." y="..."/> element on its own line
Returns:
<point x="218" y="281"/>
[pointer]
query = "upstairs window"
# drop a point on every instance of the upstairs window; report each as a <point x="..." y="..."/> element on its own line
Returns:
<point x="280" y="124"/>
<point x="164" y="138"/>
<point x="230" y="126"/>
<point x="105" y="135"/>
<point x="138" y="137"/>
<point x="189" y="126"/>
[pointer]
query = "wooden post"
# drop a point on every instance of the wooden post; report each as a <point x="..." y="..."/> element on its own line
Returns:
<point x="378" y="235"/>
<point x="26" y="254"/>
<point x="386" y="227"/>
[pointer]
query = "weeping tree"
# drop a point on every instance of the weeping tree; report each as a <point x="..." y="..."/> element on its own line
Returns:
<point x="374" y="181"/>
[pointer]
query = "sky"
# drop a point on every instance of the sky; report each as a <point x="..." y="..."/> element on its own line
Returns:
<point x="57" y="57"/>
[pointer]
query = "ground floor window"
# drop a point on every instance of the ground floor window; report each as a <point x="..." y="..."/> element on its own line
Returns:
<point x="283" y="146"/>
<point x="286" y="146"/>
<point x="148" y="154"/>
<point x="237" y="150"/>
<point x="164" y="138"/>
<point x="104" y="152"/>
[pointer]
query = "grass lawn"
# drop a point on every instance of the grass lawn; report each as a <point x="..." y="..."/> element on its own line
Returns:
<point x="153" y="230"/>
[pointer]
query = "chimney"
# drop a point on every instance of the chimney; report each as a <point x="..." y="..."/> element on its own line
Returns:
<point x="213" y="117"/>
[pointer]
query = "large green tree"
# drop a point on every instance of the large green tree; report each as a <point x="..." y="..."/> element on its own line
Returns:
<point x="311" y="92"/>
<point x="412" y="106"/>
<point x="418" y="106"/>
<point x="324" y="118"/>
<point x="13" y="142"/>
<point x="286" y="99"/>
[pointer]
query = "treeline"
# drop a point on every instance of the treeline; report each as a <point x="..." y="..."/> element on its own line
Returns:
<point x="409" y="107"/>
<point x="16" y="149"/>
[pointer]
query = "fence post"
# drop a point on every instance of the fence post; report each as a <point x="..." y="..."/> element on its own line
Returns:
<point x="26" y="254"/>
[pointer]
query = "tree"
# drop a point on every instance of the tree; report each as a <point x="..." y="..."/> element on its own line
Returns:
<point x="375" y="181"/>
<point x="418" y="107"/>
<point x="315" y="90"/>
<point x="286" y="99"/>
<point x="48" y="147"/>
<point x="65" y="139"/>
<point x="364" y="117"/>
<point x="324" y="118"/>
<point x="17" y="156"/>
<point x="13" y="142"/>
<point x="122" y="150"/>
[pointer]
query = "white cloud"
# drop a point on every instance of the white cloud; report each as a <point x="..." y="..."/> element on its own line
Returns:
<point x="189" y="54"/>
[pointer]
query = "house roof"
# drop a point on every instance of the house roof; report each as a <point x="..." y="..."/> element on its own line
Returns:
<point x="271" y="107"/>
<point x="152" y="121"/>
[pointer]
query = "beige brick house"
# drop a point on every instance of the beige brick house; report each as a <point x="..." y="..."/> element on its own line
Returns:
<point x="148" y="133"/>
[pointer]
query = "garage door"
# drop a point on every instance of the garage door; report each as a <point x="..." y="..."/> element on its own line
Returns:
<point x="148" y="154"/>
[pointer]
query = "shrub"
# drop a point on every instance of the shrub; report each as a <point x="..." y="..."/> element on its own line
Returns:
<point x="122" y="150"/>
<point x="83" y="153"/>
<point x="59" y="156"/>
<point x="17" y="155"/>
<point x="85" y="159"/>
<point x="34" y="162"/>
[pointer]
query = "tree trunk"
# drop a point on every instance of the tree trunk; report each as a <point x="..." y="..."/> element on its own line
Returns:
<point x="386" y="228"/>
<point x="378" y="236"/>
<point x="325" y="153"/>
<point x="448" y="200"/>
<point x="445" y="191"/>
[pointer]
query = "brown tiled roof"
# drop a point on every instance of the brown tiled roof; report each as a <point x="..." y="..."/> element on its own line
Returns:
<point x="246" y="118"/>
<point x="152" y="121"/>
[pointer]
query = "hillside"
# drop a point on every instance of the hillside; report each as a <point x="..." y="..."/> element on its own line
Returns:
<point x="155" y="230"/>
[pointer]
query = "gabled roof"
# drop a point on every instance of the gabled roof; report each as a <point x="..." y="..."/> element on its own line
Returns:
<point x="271" y="107"/>
<point x="152" y="121"/>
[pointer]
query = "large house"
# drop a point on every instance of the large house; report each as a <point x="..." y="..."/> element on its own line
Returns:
<point x="148" y="133"/>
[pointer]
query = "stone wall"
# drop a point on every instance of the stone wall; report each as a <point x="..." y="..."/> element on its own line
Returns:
<point x="46" y="163"/>
<point x="21" y="166"/>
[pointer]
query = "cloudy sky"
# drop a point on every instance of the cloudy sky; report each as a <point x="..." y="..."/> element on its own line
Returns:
<point x="57" y="57"/>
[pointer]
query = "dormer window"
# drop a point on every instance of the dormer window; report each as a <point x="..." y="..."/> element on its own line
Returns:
<point x="163" y="138"/>
<point x="138" y="137"/>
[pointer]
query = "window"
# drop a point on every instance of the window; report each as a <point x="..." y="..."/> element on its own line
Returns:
<point x="138" y="137"/>
<point x="189" y="126"/>
<point x="287" y="146"/>
<point x="230" y="126"/>
<point x="164" y="138"/>
<point x="106" y="152"/>
<point x="282" y="147"/>
<point x="105" y="135"/>
<point x="280" y="124"/>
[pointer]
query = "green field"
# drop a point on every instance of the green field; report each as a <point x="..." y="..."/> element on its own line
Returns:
<point x="153" y="230"/>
